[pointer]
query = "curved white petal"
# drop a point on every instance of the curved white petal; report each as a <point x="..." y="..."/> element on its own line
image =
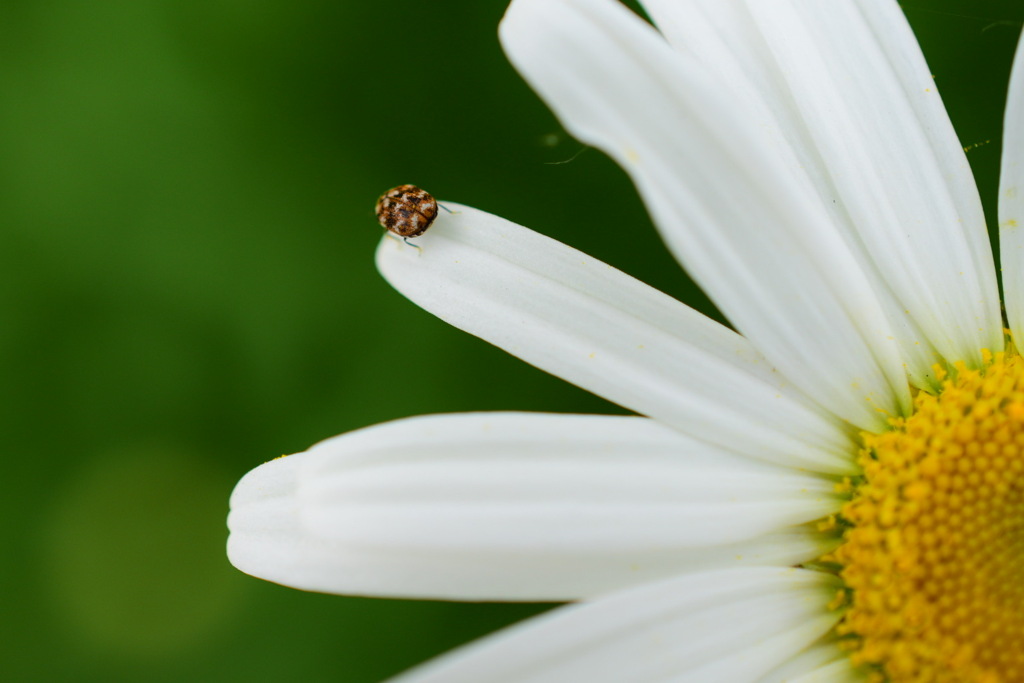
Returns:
<point x="842" y="92"/>
<point x="730" y="625"/>
<point x="903" y="52"/>
<point x="517" y="506"/>
<point x="724" y="38"/>
<point x="823" y="662"/>
<point x="600" y="329"/>
<point x="749" y="230"/>
<point x="1011" y="200"/>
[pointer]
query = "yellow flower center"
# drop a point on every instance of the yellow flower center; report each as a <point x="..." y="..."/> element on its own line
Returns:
<point x="933" y="558"/>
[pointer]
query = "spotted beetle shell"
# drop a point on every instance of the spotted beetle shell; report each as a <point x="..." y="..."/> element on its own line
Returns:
<point x="406" y="210"/>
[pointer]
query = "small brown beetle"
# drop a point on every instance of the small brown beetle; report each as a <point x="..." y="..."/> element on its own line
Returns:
<point x="406" y="210"/>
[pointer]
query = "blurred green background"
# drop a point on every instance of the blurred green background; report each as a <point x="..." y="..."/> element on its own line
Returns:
<point x="188" y="290"/>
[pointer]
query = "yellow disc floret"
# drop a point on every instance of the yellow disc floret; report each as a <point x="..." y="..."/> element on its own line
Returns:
<point x="933" y="558"/>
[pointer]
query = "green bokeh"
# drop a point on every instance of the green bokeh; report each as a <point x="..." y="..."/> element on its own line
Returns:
<point x="187" y="283"/>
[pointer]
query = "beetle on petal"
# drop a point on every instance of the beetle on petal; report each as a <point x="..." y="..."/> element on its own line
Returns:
<point x="406" y="210"/>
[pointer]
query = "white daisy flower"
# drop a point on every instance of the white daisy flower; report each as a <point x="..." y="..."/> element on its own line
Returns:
<point x="834" y="495"/>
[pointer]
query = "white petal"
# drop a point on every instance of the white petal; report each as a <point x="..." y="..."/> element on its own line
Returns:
<point x="900" y="46"/>
<point x="266" y="539"/>
<point x="843" y="91"/>
<point x="750" y="231"/>
<point x="1011" y="199"/>
<point x="517" y="506"/>
<point x="600" y="329"/>
<point x="865" y="125"/>
<point x="823" y="662"/>
<point x="732" y="625"/>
